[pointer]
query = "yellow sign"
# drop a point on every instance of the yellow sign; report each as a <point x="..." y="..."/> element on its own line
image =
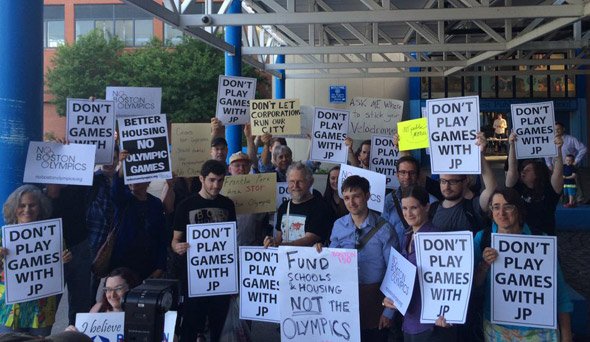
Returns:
<point x="251" y="193"/>
<point x="277" y="117"/>
<point x="191" y="147"/>
<point x="413" y="134"/>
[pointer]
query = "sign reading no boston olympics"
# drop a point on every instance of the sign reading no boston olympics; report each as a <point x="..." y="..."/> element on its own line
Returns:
<point x="384" y="156"/>
<point x="146" y="140"/>
<point x="33" y="267"/>
<point x="370" y="116"/>
<point x="212" y="259"/>
<point x="233" y="99"/>
<point x="398" y="283"/>
<point x="277" y="117"/>
<point x="445" y="272"/>
<point x="453" y="124"/>
<point x="259" y="284"/>
<point x="534" y="123"/>
<point x="92" y="123"/>
<point x="102" y="327"/>
<point x="319" y="294"/>
<point x="524" y="281"/>
<point x="329" y="131"/>
<point x="131" y="101"/>
<point x="377" y="181"/>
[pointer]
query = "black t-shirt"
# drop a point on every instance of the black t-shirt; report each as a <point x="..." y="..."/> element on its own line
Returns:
<point x="196" y="209"/>
<point x="540" y="208"/>
<point x="71" y="207"/>
<point x="313" y="216"/>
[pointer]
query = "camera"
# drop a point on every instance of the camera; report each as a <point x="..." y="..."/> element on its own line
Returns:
<point x="206" y="19"/>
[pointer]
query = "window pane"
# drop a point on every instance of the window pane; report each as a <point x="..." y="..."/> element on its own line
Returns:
<point x="437" y="87"/>
<point x="144" y="30"/>
<point x="471" y="85"/>
<point x="130" y="12"/>
<point x="94" y="12"/>
<point x="540" y="86"/>
<point x="53" y="12"/>
<point x="505" y="86"/>
<point x="557" y="86"/>
<point x="83" y="27"/>
<point x="454" y="86"/>
<point x="522" y="86"/>
<point x="424" y="88"/>
<point x="55" y="33"/>
<point x="106" y="27"/>
<point x="172" y="35"/>
<point x="124" y="30"/>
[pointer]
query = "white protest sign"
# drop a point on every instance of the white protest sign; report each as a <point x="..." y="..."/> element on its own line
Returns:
<point x="169" y="326"/>
<point x="445" y="271"/>
<point x="534" y="124"/>
<point x="212" y="259"/>
<point x="524" y="281"/>
<point x="33" y="267"/>
<point x="329" y="131"/>
<point x="146" y="140"/>
<point x="398" y="283"/>
<point x="259" y="284"/>
<point x="283" y="194"/>
<point x="131" y="101"/>
<point x="453" y="124"/>
<point x="319" y="291"/>
<point x="233" y="99"/>
<point x="377" y="181"/>
<point x="103" y="327"/>
<point x="370" y="116"/>
<point x="384" y="156"/>
<point x="93" y="123"/>
<point x="55" y="163"/>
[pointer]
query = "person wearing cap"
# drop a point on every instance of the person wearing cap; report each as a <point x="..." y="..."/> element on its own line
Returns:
<point x="219" y="149"/>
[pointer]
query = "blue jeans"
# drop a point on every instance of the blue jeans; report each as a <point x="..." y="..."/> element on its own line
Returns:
<point x="77" y="279"/>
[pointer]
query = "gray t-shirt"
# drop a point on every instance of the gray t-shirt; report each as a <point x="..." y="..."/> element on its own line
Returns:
<point x="455" y="218"/>
<point x="252" y="228"/>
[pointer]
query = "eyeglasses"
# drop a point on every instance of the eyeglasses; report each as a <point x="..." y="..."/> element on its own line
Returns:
<point x="119" y="289"/>
<point x="509" y="208"/>
<point x="451" y="182"/>
<point x="407" y="173"/>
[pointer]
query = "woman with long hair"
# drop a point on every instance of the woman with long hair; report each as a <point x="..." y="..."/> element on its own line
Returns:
<point x="331" y="194"/>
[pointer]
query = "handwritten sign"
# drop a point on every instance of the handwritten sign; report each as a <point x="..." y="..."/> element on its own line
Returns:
<point x="377" y="181"/>
<point x="445" y="271"/>
<point x="413" y="134"/>
<point x="329" y="131"/>
<point x="104" y="327"/>
<point x="251" y="193"/>
<point x="33" y="267"/>
<point x="384" y="156"/>
<point x="92" y="123"/>
<point x="534" y="124"/>
<point x="369" y="116"/>
<point x="453" y="124"/>
<point x="259" y="284"/>
<point x="319" y="294"/>
<point x="191" y="146"/>
<point x="524" y="281"/>
<point x="131" y="101"/>
<point x="212" y="266"/>
<point x="277" y="117"/>
<point x="398" y="283"/>
<point x="233" y="99"/>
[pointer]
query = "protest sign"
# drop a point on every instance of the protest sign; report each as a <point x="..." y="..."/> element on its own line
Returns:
<point x="445" y="272"/>
<point x="453" y="124"/>
<point x="211" y="259"/>
<point x="146" y="140"/>
<point x="369" y="116"/>
<point x="259" y="284"/>
<point x="33" y="267"/>
<point x="103" y="327"/>
<point x="413" y="134"/>
<point x="233" y="99"/>
<point x="524" y="281"/>
<point x="169" y="326"/>
<point x="55" y="163"/>
<point x="277" y="117"/>
<point x="131" y="101"/>
<point x="377" y="181"/>
<point x="534" y="125"/>
<point x="93" y="123"/>
<point x="329" y="131"/>
<point x="384" y="156"/>
<point x="319" y="294"/>
<point x="191" y="147"/>
<point x="251" y="193"/>
<point x="398" y="283"/>
<point x="282" y="193"/>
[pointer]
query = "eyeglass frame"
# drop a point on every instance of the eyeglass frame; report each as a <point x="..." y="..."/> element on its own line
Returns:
<point x="452" y="182"/>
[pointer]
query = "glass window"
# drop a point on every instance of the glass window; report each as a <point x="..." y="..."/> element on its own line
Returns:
<point x="173" y="36"/>
<point x="124" y="30"/>
<point x="144" y="30"/>
<point x="454" y="86"/>
<point x="437" y="87"/>
<point x="557" y="86"/>
<point x="571" y="86"/>
<point x="522" y="84"/>
<point x="106" y="27"/>
<point x="471" y="85"/>
<point x="488" y="86"/>
<point x="54" y="33"/>
<point x="83" y="27"/>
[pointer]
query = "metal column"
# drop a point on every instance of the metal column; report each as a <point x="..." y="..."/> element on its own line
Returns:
<point x="233" y="67"/>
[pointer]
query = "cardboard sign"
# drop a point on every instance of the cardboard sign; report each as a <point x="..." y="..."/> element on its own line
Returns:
<point x="413" y="134"/>
<point x="534" y="124"/>
<point x="92" y="123"/>
<point x="233" y="99"/>
<point x="54" y="163"/>
<point x="259" y="284"/>
<point x="251" y="193"/>
<point x="131" y="101"/>
<point x="453" y="124"/>
<point x="103" y="327"/>
<point x="191" y="147"/>
<point x="146" y="140"/>
<point x="329" y="131"/>
<point x="384" y="156"/>
<point x="524" y="281"/>
<point x="319" y="291"/>
<point x="398" y="283"/>
<point x="369" y="116"/>
<point x="377" y="181"/>
<point x="445" y="272"/>
<point x="277" y="117"/>
<point x="33" y="267"/>
<point x="212" y="259"/>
